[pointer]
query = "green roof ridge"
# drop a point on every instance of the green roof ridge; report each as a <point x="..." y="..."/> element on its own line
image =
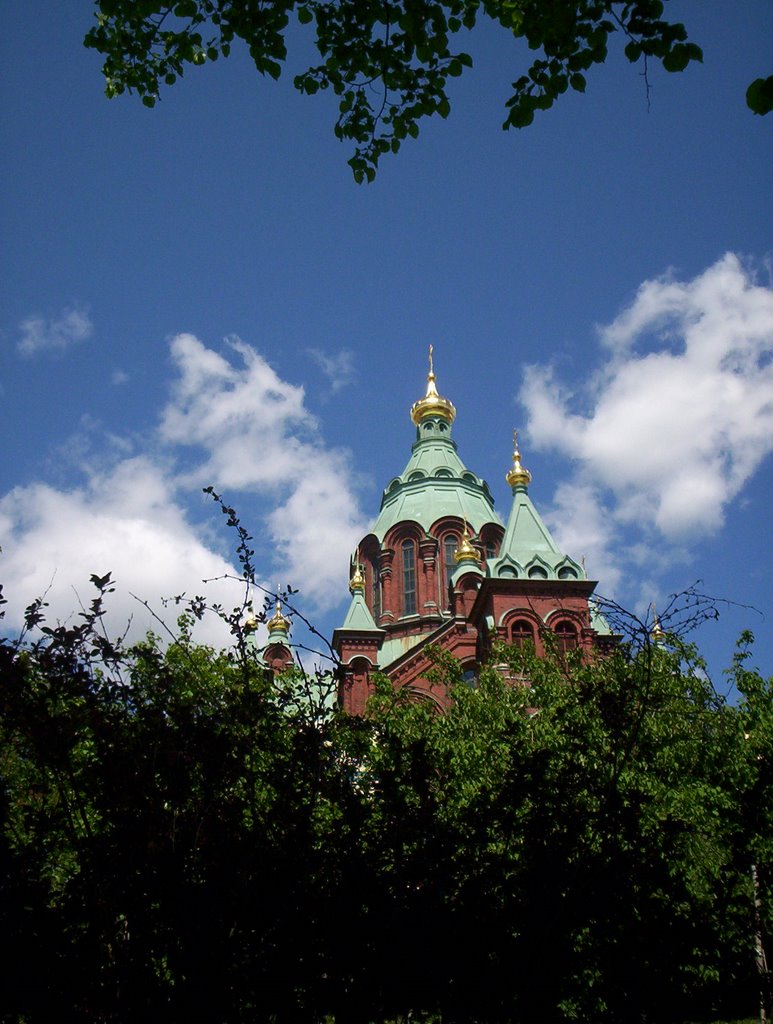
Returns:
<point x="528" y="548"/>
<point x="359" y="617"/>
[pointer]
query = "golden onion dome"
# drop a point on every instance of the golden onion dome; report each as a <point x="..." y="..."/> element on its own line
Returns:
<point x="250" y="623"/>
<point x="433" y="404"/>
<point x="278" y="623"/>
<point x="465" y="552"/>
<point x="518" y="476"/>
<point x="357" y="580"/>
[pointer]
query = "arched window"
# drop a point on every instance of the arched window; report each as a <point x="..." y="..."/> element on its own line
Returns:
<point x="375" y="592"/>
<point x="450" y="544"/>
<point x="409" y="577"/>
<point x="521" y="633"/>
<point x="566" y="637"/>
<point x="491" y="551"/>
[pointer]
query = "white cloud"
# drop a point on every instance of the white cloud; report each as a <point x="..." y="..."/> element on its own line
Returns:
<point x="338" y="368"/>
<point x="679" y="417"/>
<point x="580" y="526"/>
<point x="260" y="438"/>
<point x="119" y="377"/>
<point x="248" y="420"/>
<point x="247" y="431"/>
<point x="41" y="335"/>
<point x="124" y="521"/>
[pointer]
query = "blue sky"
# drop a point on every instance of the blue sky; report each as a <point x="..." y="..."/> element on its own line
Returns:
<point x="199" y="294"/>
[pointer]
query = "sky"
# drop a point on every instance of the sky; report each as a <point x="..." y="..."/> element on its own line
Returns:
<point x="200" y="295"/>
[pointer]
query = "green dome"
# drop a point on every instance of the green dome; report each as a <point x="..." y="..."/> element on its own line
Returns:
<point x="434" y="484"/>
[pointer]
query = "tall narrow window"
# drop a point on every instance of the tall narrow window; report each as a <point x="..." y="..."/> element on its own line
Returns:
<point x="521" y="633"/>
<point x="450" y="544"/>
<point x="566" y="637"/>
<point x="409" y="578"/>
<point x="376" y="589"/>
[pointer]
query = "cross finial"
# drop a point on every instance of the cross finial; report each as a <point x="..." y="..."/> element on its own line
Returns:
<point x="431" y="367"/>
<point x="518" y="476"/>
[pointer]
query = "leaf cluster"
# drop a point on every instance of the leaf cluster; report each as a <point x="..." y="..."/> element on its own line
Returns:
<point x="186" y="837"/>
<point x="388" y="61"/>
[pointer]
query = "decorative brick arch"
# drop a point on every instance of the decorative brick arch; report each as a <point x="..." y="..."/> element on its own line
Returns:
<point x="408" y="577"/>
<point x="448" y="533"/>
<point x="568" y="628"/>
<point x="420" y="695"/>
<point x="578" y="618"/>
<point x="370" y="559"/>
<point x="490" y="540"/>
<point x="526" y="617"/>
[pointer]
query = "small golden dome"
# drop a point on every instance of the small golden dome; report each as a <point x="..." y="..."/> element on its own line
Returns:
<point x="518" y="476"/>
<point x="357" y="580"/>
<point x="250" y="622"/>
<point x="278" y="623"/>
<point x="432" y="404"/>
<point x="465" y="552"/>
<point x="657" y="633"/>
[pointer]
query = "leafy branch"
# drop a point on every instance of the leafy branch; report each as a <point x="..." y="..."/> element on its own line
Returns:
<point x="389" y="62"/>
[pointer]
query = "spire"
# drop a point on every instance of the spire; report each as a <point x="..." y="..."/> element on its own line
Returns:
<point x="518" y="476"/>
<point x="435" y="482"/>
<point x="528" y="550"/>
<point x="433" y="404"/>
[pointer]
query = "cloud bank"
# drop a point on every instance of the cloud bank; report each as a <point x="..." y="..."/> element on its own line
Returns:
<point x="674" y="424"/>
<point x="235" y="424"/>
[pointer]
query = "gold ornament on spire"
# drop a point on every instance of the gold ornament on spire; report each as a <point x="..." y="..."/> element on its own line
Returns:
<point x="357" y="581"/>
<point x="433" y="404"/>
<point x="278" y="623"/>
<point x="465" y="552"/>
<point x="518" y="476"/>
<point x="250" y="622"/>
<point x="657" y="633"/>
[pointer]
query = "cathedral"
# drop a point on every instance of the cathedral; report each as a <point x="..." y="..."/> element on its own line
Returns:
<point x="440" y="568"/>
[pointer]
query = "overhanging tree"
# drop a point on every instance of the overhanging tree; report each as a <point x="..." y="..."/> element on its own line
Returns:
<point x="389" y="61"/>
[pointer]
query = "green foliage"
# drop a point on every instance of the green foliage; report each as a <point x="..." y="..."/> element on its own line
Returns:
<point x="759" y="95"/>
<point x="186" y="837"/>
<point x="388" y="61"/>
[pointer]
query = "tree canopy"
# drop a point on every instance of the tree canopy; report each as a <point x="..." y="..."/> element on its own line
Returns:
<point x="186" y="836"/>
<point x="389" y="61"/>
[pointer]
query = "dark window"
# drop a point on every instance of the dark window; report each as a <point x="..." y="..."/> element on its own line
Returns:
<point x="409" y="578"/>
<point x="566" y="637"/>
<point x="491" y="550"/>
<point x="450" y="544"/>
<point x="375" y="589"/>
<point x="521" y="633"/>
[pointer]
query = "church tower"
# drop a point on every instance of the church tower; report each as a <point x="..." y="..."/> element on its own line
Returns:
<point x="439" y="567"/>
